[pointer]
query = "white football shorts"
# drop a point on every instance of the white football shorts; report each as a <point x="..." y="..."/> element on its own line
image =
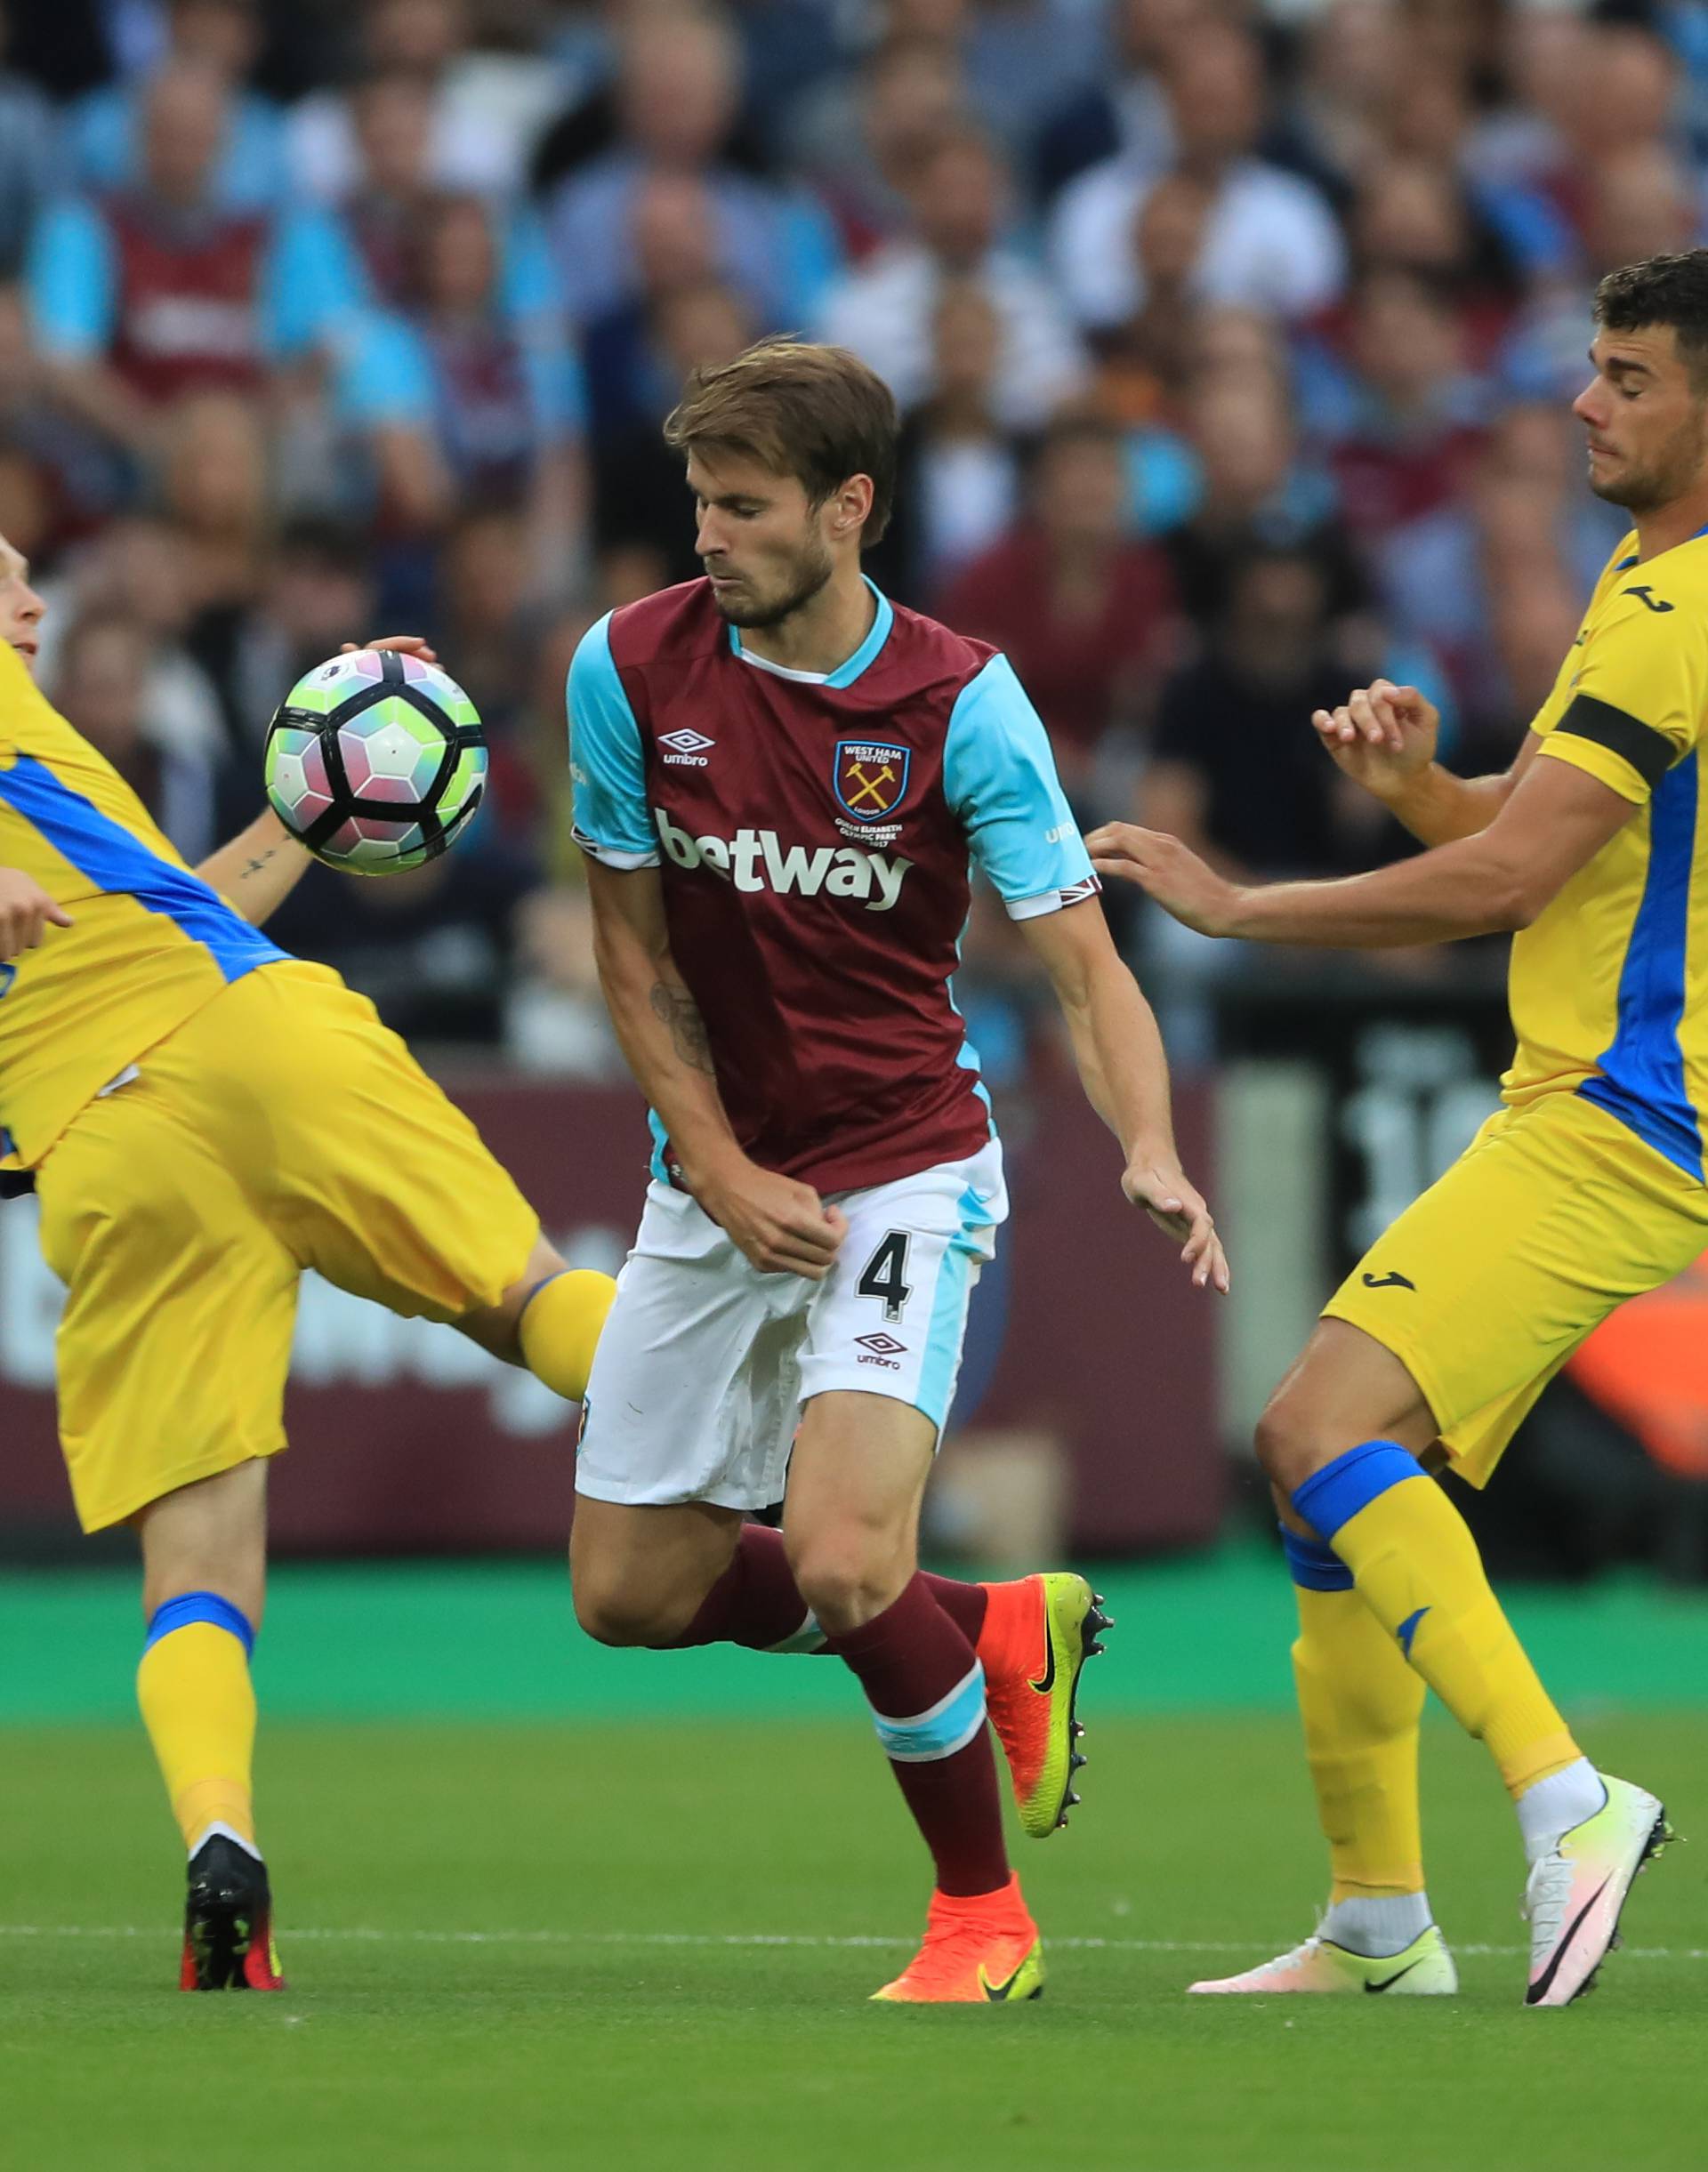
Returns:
<point x="704" y="1363"/>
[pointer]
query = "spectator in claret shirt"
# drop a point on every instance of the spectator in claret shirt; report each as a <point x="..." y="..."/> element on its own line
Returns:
<point x="143" y="295"/>
<point x="1084" y="612"/>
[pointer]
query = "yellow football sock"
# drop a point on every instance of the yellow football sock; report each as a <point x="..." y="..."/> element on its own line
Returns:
<point x="561" y="1326"/>
<point x="1417" y="1569"/>
<point x="198" y="1706"/>
<point x="1360" y="1704"/>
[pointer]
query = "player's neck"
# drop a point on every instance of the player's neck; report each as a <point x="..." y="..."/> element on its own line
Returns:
<point x="823" y="633"/>
<point x="1668" y="525"/>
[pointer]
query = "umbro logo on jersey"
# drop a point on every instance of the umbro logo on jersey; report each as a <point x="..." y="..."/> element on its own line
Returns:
<point x="758" y="860"/>
<point x="686" y="748"/>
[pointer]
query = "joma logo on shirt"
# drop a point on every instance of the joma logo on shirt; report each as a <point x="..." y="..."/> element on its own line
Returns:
<point x="758" y="860"/>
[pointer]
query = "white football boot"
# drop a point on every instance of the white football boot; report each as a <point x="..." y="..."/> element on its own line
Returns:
<point x="1574" y="1895"/>
<point x="1424" y="1969"/>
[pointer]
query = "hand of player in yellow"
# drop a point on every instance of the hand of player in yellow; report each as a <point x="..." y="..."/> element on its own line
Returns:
<point x="26" y="911"/>
<point x="405" y="645"/>
<point x="1160" y="1188"/>
<point x="782" y="1226"/>
<point x="1168" y="870"/>
<point x="1380" y="735"/>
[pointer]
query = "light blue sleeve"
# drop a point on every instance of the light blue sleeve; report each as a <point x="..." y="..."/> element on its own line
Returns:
<point x="312" y="282"/>
<point x="72" y="283"/>
<point x="556" y="386"/>
<point x="1000" y="777"/>
<point x="383" y="378"/>
<point x="613" y="825"/>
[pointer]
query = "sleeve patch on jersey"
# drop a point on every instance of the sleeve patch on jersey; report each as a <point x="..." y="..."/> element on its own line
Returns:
<point x="1651" y="754"/>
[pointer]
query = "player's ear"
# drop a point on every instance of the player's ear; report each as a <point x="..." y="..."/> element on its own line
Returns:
<point x="853" y="505"/>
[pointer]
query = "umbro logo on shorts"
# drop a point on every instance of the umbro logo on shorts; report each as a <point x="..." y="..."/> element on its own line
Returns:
<point x="687" y="748"/>
<point x="881" y="1349"/>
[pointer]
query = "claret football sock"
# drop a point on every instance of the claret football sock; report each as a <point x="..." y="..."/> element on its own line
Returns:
<point x="927" y="1694"/>
<point x="1361" y="1705"/>
<point x="1417" y="1569"/>
<point x="198" y="1706"/>
<point x="756" y="1603"/>
<point x="560" y="1325"/>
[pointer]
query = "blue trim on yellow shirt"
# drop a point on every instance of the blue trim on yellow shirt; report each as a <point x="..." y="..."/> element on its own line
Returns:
<point x="121" y="864"/>
<point x="1642" y="1075"/>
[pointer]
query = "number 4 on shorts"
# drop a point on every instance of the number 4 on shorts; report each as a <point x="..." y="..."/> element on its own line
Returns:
<point x="884" y="1275"/>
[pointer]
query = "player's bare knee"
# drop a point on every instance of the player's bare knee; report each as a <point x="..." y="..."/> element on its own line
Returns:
<point x="1289" y="1444"/>
<point x="848" y="1578"/>
<point x="630" y="1617"/>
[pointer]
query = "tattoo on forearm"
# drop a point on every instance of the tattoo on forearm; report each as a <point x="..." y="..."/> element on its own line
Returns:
<point x="255" y="867"/>
<point x="678" y="1011"/>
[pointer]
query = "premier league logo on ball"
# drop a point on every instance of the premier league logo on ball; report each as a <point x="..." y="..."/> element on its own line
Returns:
<point x="871" y="777"/>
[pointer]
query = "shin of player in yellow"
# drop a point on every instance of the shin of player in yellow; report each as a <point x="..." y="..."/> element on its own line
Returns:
<point x="198" y="1706"/>
<point x="1417" y="1568"/>
<point x="1360" y="1704"/>
<point x="560" y="1329"/>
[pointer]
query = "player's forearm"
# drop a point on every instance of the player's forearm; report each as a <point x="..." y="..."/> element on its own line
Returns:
<point x="1438" y="808"/>
<point x="1119" y="1053"/>
<point x="1463" y="889"/>
<point x="663" y="1040"/>
<point x="258" y="870"/>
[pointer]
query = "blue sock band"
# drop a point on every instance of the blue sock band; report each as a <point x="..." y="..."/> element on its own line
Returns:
<point x="949" y="1725"/>
<point x="1333" y="1495"/>
<point x="1314" y="1566"/>
<point x="201" y="1606"/>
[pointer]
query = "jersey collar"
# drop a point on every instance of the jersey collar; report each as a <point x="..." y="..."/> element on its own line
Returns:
<point x="845" y="674"/>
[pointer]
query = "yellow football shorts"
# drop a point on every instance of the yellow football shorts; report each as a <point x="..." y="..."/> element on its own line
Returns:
<point x="1553" y="1215"/>
<point x="282" y="1127"/>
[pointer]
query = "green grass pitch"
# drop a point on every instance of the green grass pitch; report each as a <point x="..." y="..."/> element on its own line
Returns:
<point x="571" y="1937"/>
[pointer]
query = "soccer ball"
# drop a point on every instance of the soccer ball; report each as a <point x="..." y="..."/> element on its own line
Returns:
<point x="375" y="761"/>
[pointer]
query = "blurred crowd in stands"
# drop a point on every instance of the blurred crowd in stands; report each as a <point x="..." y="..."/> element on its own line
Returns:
<point x="1235" y="339"/>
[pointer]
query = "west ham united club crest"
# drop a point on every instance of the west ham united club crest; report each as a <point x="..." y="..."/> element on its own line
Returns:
<point x="871" y="777"/>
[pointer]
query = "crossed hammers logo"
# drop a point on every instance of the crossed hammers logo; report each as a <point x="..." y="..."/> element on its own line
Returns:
<point x="870" y="787"/>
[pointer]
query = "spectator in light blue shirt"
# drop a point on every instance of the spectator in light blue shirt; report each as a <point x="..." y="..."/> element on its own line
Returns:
<point x="105" y="127"/>
<point x="139" y="298"/>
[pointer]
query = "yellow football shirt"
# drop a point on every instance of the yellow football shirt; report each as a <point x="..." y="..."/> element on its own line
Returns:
<point x="151" y="943"/>
<point x="1609" y="985"/>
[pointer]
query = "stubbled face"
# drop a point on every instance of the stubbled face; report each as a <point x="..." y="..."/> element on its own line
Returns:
<point x="766" y="549"/>
<point x="1645" y="417"/>
<point x="21" y="610"/>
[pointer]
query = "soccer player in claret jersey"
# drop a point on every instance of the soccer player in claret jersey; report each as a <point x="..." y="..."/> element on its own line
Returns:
<point x="203" y="1117"/>
<point x="780" y="779"/>
<point x="1585" y="1189"/>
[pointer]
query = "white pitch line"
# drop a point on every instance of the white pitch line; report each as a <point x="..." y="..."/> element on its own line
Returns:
<point x="748" y="1939"/>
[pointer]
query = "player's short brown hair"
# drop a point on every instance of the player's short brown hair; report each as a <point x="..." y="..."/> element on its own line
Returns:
<point x="1662" y="290"/>
<point x="814" y="412"/>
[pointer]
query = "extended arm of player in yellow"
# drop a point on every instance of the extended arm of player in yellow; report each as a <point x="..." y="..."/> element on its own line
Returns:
<point x="1554" y="821"/>
<point x="258" y="870"/>
<point x="1438" y="808"/>
<point x="658" y="1022"/>
<point x="1117" y="1046"/>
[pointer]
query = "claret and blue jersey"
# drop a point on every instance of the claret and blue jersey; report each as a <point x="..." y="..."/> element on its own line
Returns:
<point x="815" y="836"/>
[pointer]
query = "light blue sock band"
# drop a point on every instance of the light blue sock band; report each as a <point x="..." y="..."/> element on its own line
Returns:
<point x="1314" y="1566"/>
<point x="1333" y="1495"/>
<point x="201" y="1606"/>
<point x="949" y="1725"/>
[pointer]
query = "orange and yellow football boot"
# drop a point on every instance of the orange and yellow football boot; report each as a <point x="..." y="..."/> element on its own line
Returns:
<point x="981" y="1952"/>
<point x="1038" y="1634"/>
